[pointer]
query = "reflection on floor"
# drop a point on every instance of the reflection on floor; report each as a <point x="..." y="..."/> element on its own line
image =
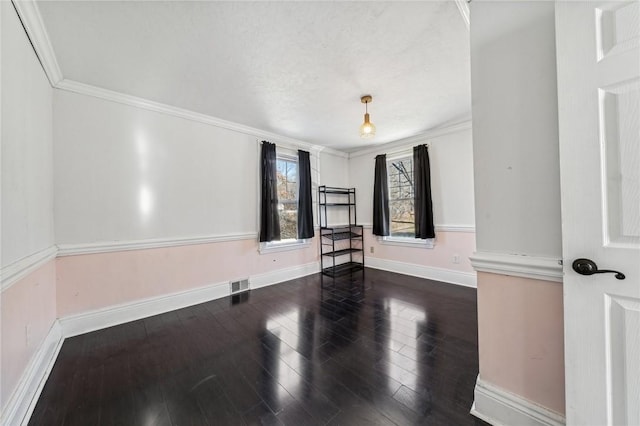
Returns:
<point x="375" y="348"/>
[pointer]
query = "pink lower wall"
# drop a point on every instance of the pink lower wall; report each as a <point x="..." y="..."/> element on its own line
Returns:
<point x="521" y="338"/>
<point x="30" y="302"/>
<point x="446" y="246"/>
<point x="94" y="281"/>
<point x="75" y="284"/>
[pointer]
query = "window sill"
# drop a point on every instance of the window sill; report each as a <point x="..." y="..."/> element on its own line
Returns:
<point x="429" y="243"/>
<point x="286" y="245"/>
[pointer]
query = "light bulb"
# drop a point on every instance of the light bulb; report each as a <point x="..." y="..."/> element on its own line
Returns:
<point x="367" y="130"/>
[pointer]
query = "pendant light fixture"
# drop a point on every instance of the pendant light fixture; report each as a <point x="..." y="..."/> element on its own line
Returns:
<point x="367" y="130"/>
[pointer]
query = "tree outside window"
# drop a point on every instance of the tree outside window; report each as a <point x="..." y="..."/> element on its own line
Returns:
<point x="287" y="176"/>
<point x="401" y="197"/>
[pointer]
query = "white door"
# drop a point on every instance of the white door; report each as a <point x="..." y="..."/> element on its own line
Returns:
<point x="598" y="63"/>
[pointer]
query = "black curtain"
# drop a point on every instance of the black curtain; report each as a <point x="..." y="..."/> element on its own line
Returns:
<point x="305" y="205"/>
<point x="269" y="219"/>
<point x="380" y="197"/>
<point x="423" y="204"/>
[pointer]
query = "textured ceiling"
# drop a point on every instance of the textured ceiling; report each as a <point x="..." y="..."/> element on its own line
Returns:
<point x="293" y="68"/>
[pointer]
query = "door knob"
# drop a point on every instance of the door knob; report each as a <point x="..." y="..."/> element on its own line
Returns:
<point x="589" y="267"/>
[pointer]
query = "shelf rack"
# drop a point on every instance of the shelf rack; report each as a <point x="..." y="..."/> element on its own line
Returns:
<point x="341" y="246"/>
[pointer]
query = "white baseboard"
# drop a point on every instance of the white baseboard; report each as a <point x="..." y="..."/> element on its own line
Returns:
<point x="285" y="274"/>
<point x="23" y="399"/>
<point x="22" y="402"/>
<point x="119" y="314"/>
<point x="501" y="408"/>
<point x="132" y="311"/>
<point x="467" y="279"/>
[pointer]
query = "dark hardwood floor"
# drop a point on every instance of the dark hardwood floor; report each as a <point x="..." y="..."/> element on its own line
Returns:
<point x="379" y="349"/>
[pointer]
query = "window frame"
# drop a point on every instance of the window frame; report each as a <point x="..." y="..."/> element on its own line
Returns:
<point x="289" y="243"/>
<point x="396" y="240"/>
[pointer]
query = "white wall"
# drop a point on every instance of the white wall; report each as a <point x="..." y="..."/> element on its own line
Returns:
<point x="335" y="170"/>
<point x="27" y="165"/>
<point x="517" y="193"/>
<point x="126" y="173"/>
<point x="515" y="128"/>
<point x="451" y="159"/>
<point x="28" y="297"/>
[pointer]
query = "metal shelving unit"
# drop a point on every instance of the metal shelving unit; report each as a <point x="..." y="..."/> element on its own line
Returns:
<point x="341" y="246"/>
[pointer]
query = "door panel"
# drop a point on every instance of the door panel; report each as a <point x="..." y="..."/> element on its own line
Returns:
<point x="620" y="124"/>
<point x="623" y="323"/>
<point x="617" y="28"/>
<point x="598" y="59"/>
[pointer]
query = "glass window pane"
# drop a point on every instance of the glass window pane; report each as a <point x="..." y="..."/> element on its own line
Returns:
<point x="401" y="197"/>
<point x="288" y="224"/>
<point x="287" y="175"/>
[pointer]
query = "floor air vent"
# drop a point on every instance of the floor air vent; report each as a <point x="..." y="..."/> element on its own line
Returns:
<point x="239" y="286"/>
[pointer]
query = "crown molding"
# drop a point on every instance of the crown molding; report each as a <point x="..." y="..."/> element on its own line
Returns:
<point x="429" y="134"/>
<point x="534" y="267"/>
<point x="31" y="19"/>
<point x="36" y="31"/>
<point x="134" y="101"/>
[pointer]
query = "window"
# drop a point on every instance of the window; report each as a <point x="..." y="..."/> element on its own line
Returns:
<point x="401" y="186"/>
<point x="401" y="196"/>
<point x="287" y="175"/>
<point x="287" y="186"/>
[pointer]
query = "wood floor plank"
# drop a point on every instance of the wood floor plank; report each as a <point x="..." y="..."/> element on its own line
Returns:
<point x="375" y="349"/>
